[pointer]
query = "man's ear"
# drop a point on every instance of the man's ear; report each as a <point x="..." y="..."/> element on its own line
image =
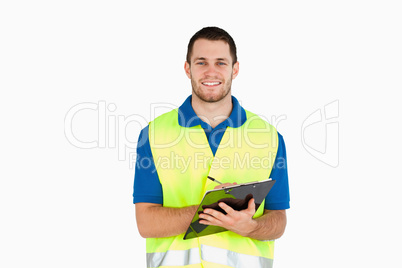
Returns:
<point x="235" y="70"/>
<point x="187" y="69"/>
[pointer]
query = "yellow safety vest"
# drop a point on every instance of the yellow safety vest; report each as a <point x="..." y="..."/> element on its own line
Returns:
<point x="183" y="160"/>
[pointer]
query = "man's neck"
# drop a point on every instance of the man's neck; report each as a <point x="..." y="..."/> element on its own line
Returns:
<point x="212" y="113"/>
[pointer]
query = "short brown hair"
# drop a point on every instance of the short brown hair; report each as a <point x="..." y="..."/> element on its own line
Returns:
<point x="213" y="34"/>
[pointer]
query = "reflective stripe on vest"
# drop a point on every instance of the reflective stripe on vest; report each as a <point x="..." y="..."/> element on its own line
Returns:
<point x="173" y="258"/>
<point x="233" y="259"/>
<point x="209" y="254"/>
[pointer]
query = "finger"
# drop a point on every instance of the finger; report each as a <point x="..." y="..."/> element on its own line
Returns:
<point x="226" y="208"/>
<point x="203" y="219"/>
<point x="220" y="186"/>
<point x="212" y="212"/>
<point x="208" y="220"/>
<point x="251" y="206"/>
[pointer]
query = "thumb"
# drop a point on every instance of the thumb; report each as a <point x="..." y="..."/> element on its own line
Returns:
<point x="251" y="206"/>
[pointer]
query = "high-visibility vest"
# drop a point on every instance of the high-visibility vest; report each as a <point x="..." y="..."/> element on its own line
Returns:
<point x="183" y="160"/>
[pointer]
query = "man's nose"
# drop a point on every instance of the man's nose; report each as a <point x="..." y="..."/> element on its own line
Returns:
<point x="211" y="70"/>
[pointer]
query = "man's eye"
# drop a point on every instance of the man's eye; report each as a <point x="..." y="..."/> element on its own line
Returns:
<point x="200" y="63"/>
<point x="221" y="63"/>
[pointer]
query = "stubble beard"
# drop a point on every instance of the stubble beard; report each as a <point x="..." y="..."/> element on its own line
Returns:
<point x="227" y="86"/>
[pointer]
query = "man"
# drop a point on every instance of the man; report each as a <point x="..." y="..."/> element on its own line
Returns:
<point x="209" y="135"/>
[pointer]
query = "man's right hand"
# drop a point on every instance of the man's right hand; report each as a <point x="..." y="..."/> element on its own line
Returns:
<point x="220" y="186"/>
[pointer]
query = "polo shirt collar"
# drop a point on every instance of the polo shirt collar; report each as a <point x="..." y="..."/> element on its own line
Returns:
<point x="188" y="118"/>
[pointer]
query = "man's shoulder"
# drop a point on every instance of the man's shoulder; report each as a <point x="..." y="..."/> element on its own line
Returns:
<point x="256" y="121"/>
<point x="168" y="116"/>
<point x="165" y="128"/>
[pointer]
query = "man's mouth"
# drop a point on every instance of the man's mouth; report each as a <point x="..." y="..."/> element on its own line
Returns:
<point x="211" y="84"/>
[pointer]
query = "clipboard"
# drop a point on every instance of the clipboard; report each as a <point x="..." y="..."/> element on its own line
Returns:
<point x="236" y="196"/>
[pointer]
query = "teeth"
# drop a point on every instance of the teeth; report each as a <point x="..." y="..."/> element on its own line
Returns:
<point x="211" y="83"/>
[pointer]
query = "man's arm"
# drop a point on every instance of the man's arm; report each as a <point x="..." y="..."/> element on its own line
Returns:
<point x="271" y="225"/>
<point x="154" y="220"/>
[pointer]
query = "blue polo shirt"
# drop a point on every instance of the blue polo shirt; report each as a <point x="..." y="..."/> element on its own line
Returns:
<point x="147" y="187"/>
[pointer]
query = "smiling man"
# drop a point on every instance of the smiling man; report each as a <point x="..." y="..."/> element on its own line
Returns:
<point x="208" y="128"/>
<point x="211" y="70"/>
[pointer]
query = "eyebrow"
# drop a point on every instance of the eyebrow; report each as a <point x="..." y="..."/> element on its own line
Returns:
<point x="218" y="59"/>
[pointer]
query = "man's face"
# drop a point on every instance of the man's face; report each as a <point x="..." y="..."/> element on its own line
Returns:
<point x="211" y="70"/>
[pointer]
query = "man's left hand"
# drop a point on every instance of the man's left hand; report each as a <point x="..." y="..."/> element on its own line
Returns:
<point x="240" y="222"/>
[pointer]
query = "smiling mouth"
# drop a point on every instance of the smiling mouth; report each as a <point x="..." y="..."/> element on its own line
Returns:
<point x="211" y="84"/>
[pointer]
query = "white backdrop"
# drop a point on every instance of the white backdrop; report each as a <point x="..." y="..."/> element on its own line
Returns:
<point x="79" y="79"/>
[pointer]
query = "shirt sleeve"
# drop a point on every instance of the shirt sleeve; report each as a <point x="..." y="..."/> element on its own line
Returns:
<point x="147" y="187"/>
<point x="278" y="198"/>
